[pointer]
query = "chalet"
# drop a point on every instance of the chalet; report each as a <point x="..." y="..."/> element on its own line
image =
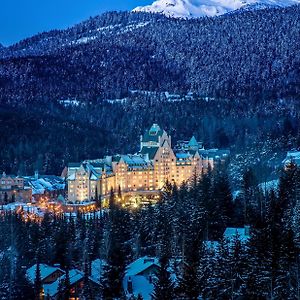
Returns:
<point x="292" y="157"/>
<point x="51" y="291"/>
<point x="50" y="186"/>
<point x="139" y="276"/>
<point x="49" y="274"/>
<point x="243" y="233"/>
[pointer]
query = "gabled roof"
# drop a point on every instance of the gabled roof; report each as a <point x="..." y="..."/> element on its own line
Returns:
<point x="52" y="288"/>
<point x="152" y="134"/>
<point x="141" y="264"/>
<point x="292" y="156"/>
<point x="135" y="161"/>
<point x="44" y="182"/>
<point x="232" y="232"/>
<point x="151" y="151"/>
<point x="44" y="269"/>
<point x="193" y="142"/>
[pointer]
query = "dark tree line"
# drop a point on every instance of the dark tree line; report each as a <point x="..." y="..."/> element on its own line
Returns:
<point x="177" y="230"/>
<point x="47" y="136"/>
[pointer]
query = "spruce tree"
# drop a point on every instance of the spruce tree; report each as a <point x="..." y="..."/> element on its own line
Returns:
<point x="117" y="231"/>
<point x="189" y="281"/>
<point x="37" y="282"/>
<point x="163" y="287"/>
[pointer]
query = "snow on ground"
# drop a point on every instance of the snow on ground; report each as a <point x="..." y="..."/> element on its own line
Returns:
<point x="269" y="185"/>
<point x="106" y="29"/>
<point x="210" y="8"/>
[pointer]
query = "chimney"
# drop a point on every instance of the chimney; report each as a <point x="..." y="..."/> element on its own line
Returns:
<point x="36" y="174"/>
<point x="129" y="285"/>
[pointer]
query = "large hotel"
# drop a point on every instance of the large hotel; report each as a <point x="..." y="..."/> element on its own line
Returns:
<point x="141" y="175"/>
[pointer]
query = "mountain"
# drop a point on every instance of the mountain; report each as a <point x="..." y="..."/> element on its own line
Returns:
<point x="90" y="90"/>
<point x="210" y="8"/>
<point x="231" y="56"/>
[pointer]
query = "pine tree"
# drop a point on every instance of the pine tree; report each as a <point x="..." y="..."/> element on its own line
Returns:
<point x="87" y="292"/>
<point x="118" y="234"/>
<point x="223" y="200"/>
<point x="249" y="186"/>
<point x="163" y="287"/>
<point x="37" y="282"/>
<point x="163" y="230"/>
<point x="189" y="281"/>
<point x="219" y="284"/>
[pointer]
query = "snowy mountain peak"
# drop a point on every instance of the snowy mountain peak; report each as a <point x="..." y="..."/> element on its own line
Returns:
<point x="200" y="8"/>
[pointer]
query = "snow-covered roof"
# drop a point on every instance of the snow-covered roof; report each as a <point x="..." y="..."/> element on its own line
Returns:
<point x="16" y="206"/>
<point x="97" y="268"/>
<point x="44" y="269"/>
<point x="44" y="182"/>
<point x="140" y="265"/>
<point x="292" y="156"/>
<point x="134" y="160"/>
<point x="183" y="155"/>
<point x="242" y="232"/>
<point x="52" y="288"/>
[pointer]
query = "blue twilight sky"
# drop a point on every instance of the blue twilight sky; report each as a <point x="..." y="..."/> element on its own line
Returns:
<point x="24" y="18"/>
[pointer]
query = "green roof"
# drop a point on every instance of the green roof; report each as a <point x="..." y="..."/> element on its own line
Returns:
<point x="151" y="151"/>
<point x="193" y="142"/>
<point x="153" y="134"/>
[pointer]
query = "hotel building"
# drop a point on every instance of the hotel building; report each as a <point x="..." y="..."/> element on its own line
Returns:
<point x="143" y="173"/>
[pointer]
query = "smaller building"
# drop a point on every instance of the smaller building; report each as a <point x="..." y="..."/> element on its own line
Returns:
<point x="13" y="189"/>
<point x="53" y="277"/>
<point x="49" y="186"/>
<point x="49" y="274"/>
<point x="292" y="157"/>
<point x="243" y="233"/>
<point x="139" y="277"/>
<point x="76" y="277"/>
<point x="51" y="291"/>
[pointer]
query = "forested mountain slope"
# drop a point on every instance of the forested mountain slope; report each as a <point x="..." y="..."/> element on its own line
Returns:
<point x="252" y="54"/>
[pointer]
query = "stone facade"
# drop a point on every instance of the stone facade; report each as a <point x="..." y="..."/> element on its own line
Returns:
<point x="146" y="171"/>
<point x="12" y="189"/>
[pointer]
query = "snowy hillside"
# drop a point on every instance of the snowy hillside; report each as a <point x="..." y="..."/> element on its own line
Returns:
<point x="200" y="8"/>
